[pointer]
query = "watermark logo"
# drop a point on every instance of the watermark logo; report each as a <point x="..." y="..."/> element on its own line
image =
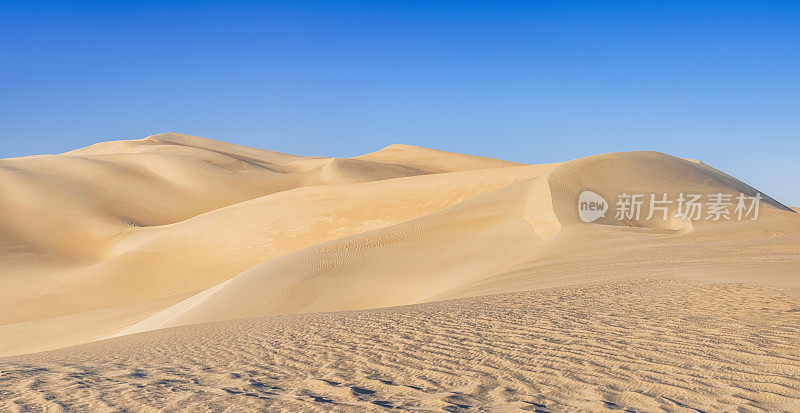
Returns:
<point x="591" y="206"/>
<point x="691" y="207"/>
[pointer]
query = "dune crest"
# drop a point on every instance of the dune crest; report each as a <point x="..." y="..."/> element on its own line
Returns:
<point x="433" y="160"/>
<point x="100" y="217"/>
<point x="193" y="274"/>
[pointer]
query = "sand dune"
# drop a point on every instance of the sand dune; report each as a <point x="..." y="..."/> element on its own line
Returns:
<point x="433" y="255"/>
<point x="432" y="160"/>
<point x="172" y="232"/>
<point x="159" y="180"/>
<point x="122" y="263"/>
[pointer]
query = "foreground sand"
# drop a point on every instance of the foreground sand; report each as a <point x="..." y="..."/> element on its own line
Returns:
<point x="192" y="274"/>
<point x="647" y="345"/>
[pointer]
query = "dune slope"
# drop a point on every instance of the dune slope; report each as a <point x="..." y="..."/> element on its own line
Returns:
<point x="195" y="274"/>
<point x="89" y="238"/>
<point x="482" y="238"/>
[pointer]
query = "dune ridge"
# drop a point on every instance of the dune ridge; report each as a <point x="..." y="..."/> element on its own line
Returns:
<point x="165" y="240"/>
<point x="131" y="232"/>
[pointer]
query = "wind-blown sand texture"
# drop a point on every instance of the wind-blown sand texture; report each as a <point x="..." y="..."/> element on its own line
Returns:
<point x="182" y="273"/>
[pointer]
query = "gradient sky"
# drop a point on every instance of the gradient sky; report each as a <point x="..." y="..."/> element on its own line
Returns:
<point x="530" y="82"/>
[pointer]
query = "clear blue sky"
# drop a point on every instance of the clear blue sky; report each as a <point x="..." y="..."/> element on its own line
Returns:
<point x="524" y="81"/>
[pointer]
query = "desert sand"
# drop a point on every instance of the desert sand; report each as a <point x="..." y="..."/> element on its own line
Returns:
<point x="181" y="273"/>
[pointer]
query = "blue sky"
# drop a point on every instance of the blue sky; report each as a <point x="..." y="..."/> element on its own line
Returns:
<point x="524" y="81"/>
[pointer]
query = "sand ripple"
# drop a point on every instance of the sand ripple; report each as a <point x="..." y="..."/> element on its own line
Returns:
<point x="672" y="345"/>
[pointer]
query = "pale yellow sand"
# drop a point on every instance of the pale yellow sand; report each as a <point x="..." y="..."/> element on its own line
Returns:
<point x="122" y="222"/>
<point x="67" y="330"/>
<point x="670" y="345"/>
<point x="551" y="313"/>
<point x="501" y="235"/>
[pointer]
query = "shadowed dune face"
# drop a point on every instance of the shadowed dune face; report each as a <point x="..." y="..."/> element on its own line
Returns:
<point x="173" y="230"/>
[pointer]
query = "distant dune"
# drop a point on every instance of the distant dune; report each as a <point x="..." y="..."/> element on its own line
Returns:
<point x="428" y="280"/>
